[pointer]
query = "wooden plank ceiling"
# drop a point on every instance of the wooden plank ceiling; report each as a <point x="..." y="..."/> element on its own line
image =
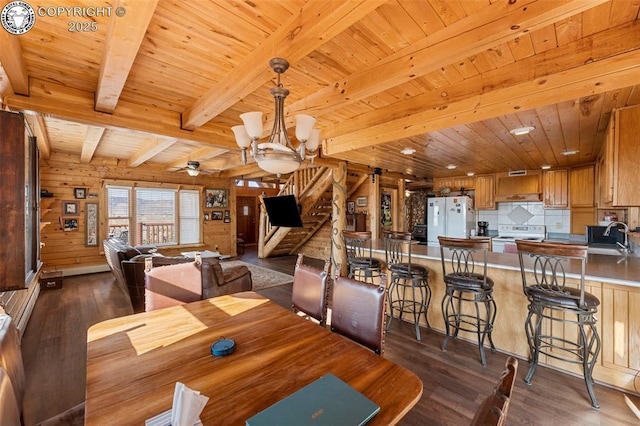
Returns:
<point x="163" y="82"/>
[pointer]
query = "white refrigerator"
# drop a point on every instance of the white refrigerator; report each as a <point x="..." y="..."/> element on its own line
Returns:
<point x="449" y="217"/>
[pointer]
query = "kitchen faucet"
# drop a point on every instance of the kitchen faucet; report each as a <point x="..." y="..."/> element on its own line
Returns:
<point x="624" y="246"/>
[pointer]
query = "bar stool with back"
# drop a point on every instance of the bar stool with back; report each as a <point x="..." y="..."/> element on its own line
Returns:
<point x="553" y="299"/>
<point x="362" y="266"/>
<point x="465" y="286"/>
<point x="409" y="291"/>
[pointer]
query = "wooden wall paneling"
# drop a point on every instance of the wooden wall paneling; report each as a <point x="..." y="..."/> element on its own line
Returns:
<point x="61" y="173"/>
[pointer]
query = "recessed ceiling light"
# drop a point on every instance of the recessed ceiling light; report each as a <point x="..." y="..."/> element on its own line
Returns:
<point x="522" y="130"/>
<point x="408" y="151"/>
<point x="545" y="167"/>
<point x="470" y="173"/>
<point x="570" y="152"/>
<point x="451" y="166"/>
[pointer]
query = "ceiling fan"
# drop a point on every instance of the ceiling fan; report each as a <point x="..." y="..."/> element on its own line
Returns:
<point x="193" y="168"/>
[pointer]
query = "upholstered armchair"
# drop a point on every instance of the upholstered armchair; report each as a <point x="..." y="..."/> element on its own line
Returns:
<point x="188" y="282"/>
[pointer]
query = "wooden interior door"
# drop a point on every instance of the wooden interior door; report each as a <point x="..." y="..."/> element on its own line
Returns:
<point x="247" y="219"/>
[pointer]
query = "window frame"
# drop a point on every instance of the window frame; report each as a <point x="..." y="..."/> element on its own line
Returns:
<point x="177" y="189"/>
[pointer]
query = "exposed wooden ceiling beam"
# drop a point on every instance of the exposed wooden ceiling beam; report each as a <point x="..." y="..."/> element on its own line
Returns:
<point x="316" y="24"/>
<point x="241" y="171"/>
<point x="545" y="79"/>
<point x="498" y="23"/>
<point x="124" y="36"/>
<point x="39" y="128"/>
<point x="149" y="149"/>
<point x="90" y="143"/>
<point x="78" y="106"/>
<point x="12" y="64"/>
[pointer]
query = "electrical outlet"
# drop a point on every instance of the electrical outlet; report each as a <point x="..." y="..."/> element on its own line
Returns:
<point x="558" y="225"/>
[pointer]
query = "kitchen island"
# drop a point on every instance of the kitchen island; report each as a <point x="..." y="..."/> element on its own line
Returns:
<point x="615" y="280"/>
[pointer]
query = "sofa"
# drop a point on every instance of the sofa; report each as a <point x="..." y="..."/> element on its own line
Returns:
<point x="127" y="264"/>
<point x="186" y="282"/>
<point x="116" y="250"/>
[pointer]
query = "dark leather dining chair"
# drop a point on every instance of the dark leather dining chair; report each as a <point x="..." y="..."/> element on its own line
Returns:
<point x="493" y="410"/>
<point x="310" y="290"/>
<point x="357" y="311"/>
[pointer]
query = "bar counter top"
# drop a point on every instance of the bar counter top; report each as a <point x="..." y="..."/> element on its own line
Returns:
<point x="613" y="269"/>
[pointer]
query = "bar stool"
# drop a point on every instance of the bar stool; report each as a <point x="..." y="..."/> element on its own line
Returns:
<point x="409" y="291"/>
<point x="552" y="301"/>
<point x="463" y="286"/>
<point x="362" y="266"/>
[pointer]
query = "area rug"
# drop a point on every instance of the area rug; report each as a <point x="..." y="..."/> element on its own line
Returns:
<point x="261" y="277"/>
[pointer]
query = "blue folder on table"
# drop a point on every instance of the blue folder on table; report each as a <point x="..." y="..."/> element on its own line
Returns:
<point x="326" y="401"/>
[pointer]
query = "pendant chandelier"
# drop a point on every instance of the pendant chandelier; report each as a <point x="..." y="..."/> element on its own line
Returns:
<point x="277" y="156"/>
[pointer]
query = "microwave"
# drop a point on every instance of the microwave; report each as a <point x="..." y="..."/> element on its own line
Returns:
<point x="595" y="236"/>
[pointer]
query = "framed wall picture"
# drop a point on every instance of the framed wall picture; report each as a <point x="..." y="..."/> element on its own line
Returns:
<point x="227" y="213"/>
<point x="361" y="201"/>
<point x="70" y="225"/>
<point x="351" y="207"/>
<point x="80" y="193"/>
<point x="206" y="216"/>
<point x="227" y="220"/>
<point x="216" y="215"/>
<point x="91" y="224"/>
<point x="70" y="208"/>
<point x="216" y="198"/>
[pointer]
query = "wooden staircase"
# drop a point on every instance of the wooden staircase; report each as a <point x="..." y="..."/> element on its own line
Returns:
<point x="312" y="187"/>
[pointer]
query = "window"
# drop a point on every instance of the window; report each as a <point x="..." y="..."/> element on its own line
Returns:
<point x="161" y="216"/>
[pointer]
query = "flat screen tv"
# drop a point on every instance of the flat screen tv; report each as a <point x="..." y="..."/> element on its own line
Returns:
<point x="283" y="210"/>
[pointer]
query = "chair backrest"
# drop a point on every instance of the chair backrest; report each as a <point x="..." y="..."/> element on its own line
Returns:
<point x="11" y="356"/>
<point x="397" y="248"/>
<point x="9" y="406"/>
<point x="462" y="257"/>
<point x="357" y="244"/>
<point x="549" y="261"/>
<point x="493" y="410"/>
<point x="172" y="285"/>
<point x="357" y="311"/>
<point x="310" y="290"/>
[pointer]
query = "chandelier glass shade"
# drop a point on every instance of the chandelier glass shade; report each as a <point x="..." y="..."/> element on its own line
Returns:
<point x="277" y="155"/>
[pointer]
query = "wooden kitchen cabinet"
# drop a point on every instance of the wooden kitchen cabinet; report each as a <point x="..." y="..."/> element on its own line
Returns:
<point x="484" y="191"/>
<point x="519" y="187"/>
<point x="555" y="189"/>
<point x="455" y="183"/>
<point x="618" y="171"/>
<point x="582" y="186"/>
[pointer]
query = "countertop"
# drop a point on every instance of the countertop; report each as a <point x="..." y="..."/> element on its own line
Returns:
<point x="622" y="270"/>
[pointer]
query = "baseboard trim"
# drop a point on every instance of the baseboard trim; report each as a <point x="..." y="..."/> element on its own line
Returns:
<point x="81" y="270"/>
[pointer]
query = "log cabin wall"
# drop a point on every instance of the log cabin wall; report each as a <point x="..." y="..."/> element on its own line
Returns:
<point x="61" y="173"/>
<point x="319" y="246"/>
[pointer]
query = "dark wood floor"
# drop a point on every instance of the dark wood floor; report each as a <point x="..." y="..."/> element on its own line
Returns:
<point x="54" y="351"/>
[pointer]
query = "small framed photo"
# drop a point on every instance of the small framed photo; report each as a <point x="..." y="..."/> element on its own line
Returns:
<point x="70" y="225"/>
<point x="216" y="198"/>
<point x="227" y="214"/>
<point x="216" y="215"/>
<point x="351" y="207"/>
<point x="227" y="220"/>
<point x="70" y="208"/>
<point x="206" y="216"/>
<point x="361" y="201"/>
<point x="91" y="224"/>
<point x="80" y="193"/>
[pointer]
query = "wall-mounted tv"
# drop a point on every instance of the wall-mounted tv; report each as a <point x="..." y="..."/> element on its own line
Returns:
<point x="283" y="210"/>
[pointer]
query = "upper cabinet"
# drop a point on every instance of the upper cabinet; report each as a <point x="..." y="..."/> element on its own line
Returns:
<point x="455" y="183"/>
<point x="512" y="186"/>
<point x="618" y="171"/>
<point x="582" y="185"/>
<point x="555" y="189"/>
<point x="484" y="190"/>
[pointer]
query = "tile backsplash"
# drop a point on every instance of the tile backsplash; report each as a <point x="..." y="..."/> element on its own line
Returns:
<point x="557" y="222"/>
